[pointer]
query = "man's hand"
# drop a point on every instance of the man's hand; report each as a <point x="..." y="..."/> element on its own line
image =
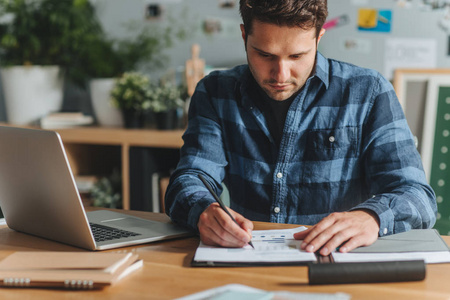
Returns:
<point x="348" y="230"/>
<point x="218" y="229"/>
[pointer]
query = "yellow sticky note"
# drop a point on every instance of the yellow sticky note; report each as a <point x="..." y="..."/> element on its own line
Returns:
<point x="367" y="18"/>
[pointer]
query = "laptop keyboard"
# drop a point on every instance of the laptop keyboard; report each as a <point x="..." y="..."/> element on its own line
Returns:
<point x="105" y="233"/>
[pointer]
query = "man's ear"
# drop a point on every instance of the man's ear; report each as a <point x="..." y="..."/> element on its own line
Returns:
<point x="243" y="31"/>
<point x="244" y="36"/>
<point x="322" y="32"/>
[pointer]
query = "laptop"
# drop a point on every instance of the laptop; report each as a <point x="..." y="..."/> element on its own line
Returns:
<point x="38" y="196"/>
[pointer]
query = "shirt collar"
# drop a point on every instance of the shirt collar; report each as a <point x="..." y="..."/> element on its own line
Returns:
<point x="322" y="67"/>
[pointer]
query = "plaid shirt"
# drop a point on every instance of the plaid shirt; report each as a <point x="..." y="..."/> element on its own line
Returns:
<point x="346" y="145"/>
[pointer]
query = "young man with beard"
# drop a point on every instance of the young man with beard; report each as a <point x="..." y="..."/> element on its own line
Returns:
<point x="298" y="138"/>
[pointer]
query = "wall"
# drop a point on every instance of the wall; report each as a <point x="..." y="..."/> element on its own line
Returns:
<point x="219" y="50"/>
<point x="418" y="35"/>
<point x="222" y="49"/>
<point x="417" y="21"/>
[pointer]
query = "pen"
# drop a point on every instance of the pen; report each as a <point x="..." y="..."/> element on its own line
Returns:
<point x="219" y="201"/>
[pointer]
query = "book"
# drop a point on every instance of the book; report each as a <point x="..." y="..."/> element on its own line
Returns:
<point x="155" y="192"/>
<point x="65" y="120"/>
<point x="73" y="270"/>
<point x="147" y="166"/>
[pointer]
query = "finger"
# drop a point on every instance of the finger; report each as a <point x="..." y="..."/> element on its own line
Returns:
<point x="245" y="224"/>
<point x="320" y="234"/>
<point x="349" y="233"/>
<point x="216" y="226"/>
<point x="214" y="234"/>
<point x="351" y="244"/>
<point x="210" y="237"/>
<point x="302" y="234"/>
<point x="230" y="230"/>
<point x="338" y="239"/>
<point x="357" y="241"/>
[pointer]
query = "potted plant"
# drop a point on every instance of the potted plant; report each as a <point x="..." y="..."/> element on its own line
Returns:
<point x="40" y="41"/>
<point x="166" y="103"/>
<point x="131" y="94"/>
<point x="107" y="191"/>
<point x="111" y="57"/>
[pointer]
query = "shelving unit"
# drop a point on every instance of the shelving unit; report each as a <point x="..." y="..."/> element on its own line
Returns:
<point x="100" y="149"/>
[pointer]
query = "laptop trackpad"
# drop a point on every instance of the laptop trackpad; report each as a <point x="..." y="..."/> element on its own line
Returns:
<point x="127" y="223"/>
<point x="137" y="225"/>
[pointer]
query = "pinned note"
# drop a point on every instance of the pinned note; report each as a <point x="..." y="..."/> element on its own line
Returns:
<point x="374" y="20"/>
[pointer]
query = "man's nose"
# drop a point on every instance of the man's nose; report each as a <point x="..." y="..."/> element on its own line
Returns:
<point x="280" y="71"/>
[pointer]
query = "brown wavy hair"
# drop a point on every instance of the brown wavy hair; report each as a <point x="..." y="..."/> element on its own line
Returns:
<point x="305" y="14"/>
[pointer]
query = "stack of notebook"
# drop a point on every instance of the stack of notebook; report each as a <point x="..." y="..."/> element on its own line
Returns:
<point x="73" y="270"/>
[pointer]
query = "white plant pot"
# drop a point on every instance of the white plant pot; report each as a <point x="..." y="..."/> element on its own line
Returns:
<point x="107" y="115"/>
<point x="31" y="92"/>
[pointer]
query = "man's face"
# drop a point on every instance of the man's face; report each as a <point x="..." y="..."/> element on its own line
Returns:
<point x="281" y="58"/>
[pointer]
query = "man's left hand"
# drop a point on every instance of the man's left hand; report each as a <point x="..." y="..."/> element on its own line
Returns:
<point x="348" y="230"/>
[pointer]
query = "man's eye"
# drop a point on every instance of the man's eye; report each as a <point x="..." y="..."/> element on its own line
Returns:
<point x="263" y="54"/>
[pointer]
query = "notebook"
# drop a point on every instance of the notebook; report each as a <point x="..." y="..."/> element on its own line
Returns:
<point x="38" y="196"/>
<point x="73" y="270"/>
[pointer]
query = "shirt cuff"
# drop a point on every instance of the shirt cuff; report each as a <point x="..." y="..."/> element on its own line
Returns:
<point x="196" y="211"/>
<point x="385" y="217"/>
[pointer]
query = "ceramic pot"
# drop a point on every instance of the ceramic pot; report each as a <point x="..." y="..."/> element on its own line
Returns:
<point x="107" y="115"/>
<point x="31" y="92"/>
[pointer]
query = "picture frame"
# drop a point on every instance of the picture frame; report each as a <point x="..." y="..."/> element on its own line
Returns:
<point x="411" y="86"/>
<point x="436" y="145"/>
<point x="436" y="129"/>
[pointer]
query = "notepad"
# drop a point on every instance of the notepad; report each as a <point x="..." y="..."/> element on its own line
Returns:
<point x="75" y="270"/>
<point x="272" y="247"/>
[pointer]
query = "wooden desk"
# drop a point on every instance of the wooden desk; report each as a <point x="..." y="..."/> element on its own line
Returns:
<point x="167" y="275"/>
<point x="124" y="138"/>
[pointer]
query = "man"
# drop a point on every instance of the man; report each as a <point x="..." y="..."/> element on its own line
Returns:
<point x="298" y="139"/>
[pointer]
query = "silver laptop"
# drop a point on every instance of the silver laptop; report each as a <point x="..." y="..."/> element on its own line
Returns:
<point x="38" y="196"/>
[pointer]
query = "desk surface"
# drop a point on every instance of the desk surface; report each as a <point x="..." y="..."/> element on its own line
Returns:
<point x="167" y="275"/>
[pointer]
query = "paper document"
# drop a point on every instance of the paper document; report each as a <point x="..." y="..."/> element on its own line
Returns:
<point x="271" y="246"/>
<point x="239" y="291"/>
<point x="428" y="257"/>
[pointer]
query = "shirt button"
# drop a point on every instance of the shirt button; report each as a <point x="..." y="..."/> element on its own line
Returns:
<point x="276" y="210"/>
<point x="331" y="139"/>
<point x="279" y="175"/>
<point x="385" y="231"/>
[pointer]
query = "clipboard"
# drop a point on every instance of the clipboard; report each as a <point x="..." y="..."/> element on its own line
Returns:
<point x="324" y="270"/>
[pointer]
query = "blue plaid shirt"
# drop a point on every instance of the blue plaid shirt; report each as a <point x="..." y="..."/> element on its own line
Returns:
<point x="346" y="145"/>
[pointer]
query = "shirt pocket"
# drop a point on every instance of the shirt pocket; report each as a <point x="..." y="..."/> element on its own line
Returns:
<point x="331" y="144"/>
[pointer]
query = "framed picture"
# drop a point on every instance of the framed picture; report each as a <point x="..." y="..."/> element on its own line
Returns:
<point x="436" y="146"/>
<point x="436" y="129"/>
<point x="411" y="86"/>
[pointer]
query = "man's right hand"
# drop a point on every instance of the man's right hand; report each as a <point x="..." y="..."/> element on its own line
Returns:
<point x="218" y="229"/>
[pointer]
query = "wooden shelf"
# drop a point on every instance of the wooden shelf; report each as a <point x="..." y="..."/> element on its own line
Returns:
<point x="73" y="138"/>
<point x="121" y="136"/>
